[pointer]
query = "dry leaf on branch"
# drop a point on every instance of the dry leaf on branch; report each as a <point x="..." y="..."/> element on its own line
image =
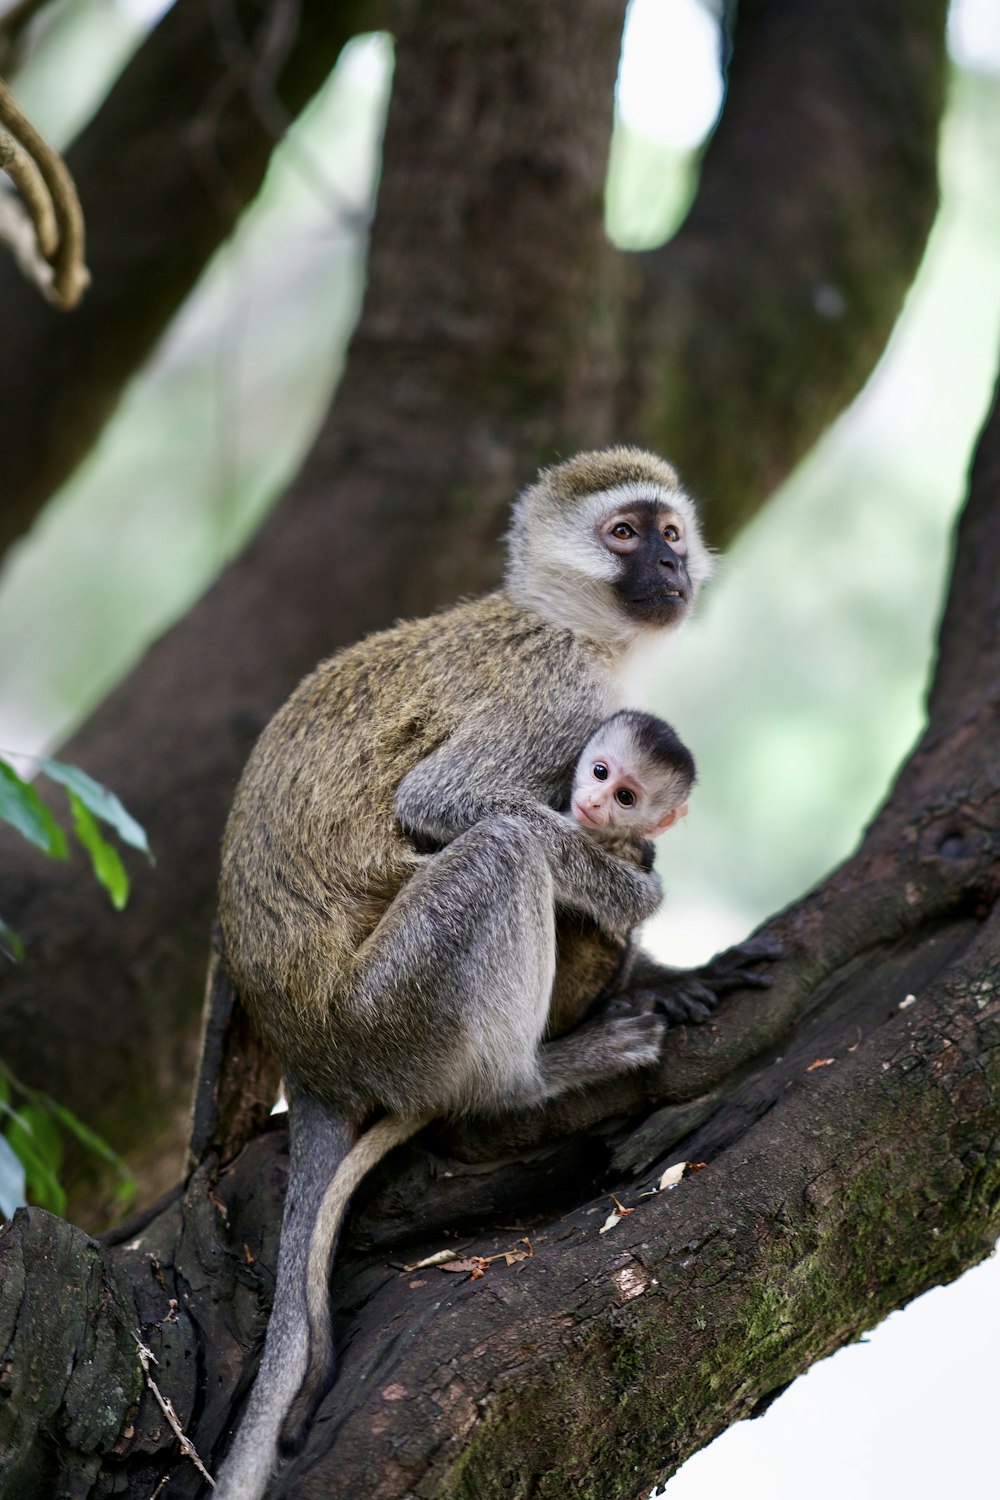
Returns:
<point x="477" y="1265"/>
<point x="437" y="1259"/>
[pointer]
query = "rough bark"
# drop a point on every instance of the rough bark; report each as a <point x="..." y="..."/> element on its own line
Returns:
<point x="164" y="169"/>
<point x="847" y="1138"/>
<point x="490" y="339"/>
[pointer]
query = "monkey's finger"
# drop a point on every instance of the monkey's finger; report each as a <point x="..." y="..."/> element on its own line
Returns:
<point x="689" y="1012"/>
<point x="688" y="1003"/>
<point x="732" y="969"/>
<point x="755" y="949"/>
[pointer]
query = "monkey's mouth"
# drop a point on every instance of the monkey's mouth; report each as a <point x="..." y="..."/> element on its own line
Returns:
<point x="583" y="814"/>
<point x="658" y="597"/>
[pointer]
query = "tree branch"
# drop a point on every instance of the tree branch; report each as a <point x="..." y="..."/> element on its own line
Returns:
<point x="755" y="325"/>
<point x="164" y="170"/>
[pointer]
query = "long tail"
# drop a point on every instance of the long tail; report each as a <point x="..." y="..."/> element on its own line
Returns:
<point x="326" y="1164"/>
<point x="368" y="1151"/>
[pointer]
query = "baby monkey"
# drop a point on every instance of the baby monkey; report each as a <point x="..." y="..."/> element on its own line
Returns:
<point x="631" y="783"/>
<point x="632" y="780"/>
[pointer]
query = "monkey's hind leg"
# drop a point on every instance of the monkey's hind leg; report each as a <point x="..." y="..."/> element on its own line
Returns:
<point x="459" y="975"/>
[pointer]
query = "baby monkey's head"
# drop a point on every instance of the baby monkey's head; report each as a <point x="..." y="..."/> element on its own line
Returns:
<point x="634" y="777"/>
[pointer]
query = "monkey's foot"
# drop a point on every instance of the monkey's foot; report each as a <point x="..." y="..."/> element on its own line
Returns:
<point x="619" y="1041"/>
<point x="632" y="1038"/>
<point x="687" y="997"/>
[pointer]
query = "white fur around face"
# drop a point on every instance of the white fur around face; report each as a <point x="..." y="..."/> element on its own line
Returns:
<point x="614" y="739"/>
<point x="560" y="568"/>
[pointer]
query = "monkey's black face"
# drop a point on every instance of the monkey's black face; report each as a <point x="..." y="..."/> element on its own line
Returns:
<point x="652" y="586"/>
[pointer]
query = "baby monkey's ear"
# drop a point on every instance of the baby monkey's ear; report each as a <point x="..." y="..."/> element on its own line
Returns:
<point x="669" y="819"/>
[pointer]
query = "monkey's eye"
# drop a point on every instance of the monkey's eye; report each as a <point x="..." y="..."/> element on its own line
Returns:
<point x="624" y="797"/>
<point x="623" y="531"/>
<point x="600" y="771"/>
<point x="671" y="533"/>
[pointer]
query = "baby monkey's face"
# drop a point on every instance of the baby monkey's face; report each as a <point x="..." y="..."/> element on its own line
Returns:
<point x="615" y="794"/>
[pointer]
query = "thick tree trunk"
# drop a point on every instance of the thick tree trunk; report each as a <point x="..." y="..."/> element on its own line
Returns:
<point x="845" y="1128"/>
<point x="164" y="170"/>
<point x="494" y="335"/>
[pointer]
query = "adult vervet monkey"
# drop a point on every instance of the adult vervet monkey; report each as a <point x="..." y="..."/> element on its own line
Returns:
<point x="458" y="732"/>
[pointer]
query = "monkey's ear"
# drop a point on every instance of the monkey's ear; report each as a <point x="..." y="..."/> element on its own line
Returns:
<point x="669" y="819"/>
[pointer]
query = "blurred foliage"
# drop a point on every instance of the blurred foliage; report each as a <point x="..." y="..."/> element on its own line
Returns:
<point x="23" y="808"/>
<point x="31" y="1133"/>
<point x="70" y="55"/>
<point x="33" y="1127"/>
<point x="649" y="189"/>
<point x="210" y="433"/>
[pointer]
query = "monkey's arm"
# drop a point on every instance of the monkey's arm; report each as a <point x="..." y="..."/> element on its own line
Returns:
<point x="442" y="797"/>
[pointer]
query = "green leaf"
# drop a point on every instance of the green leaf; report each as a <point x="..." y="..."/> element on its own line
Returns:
<point x="125" y="1192"/>
<point x="10" y="944"/>
<point x="45" y="1136"/>
<point x="98" y="800"/>
<point x="85" y="1135"/>
<point x="126" y="1189"/>
<point x="103" y="856"/>
<point x="23" y="808"/>
<point x="12" y="1196"/>
<point x="35" y="1141"/>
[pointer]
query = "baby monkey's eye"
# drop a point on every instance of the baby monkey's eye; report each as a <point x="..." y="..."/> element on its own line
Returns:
<point x="622" y="531"/>
<point x="600" y="772"/>
<point x="671" y="533"/>
<point x="624" y="797"/>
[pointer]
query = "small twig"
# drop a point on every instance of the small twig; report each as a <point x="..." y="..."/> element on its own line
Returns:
<point x="24" y="174"/>
<point x="187" y="1447"/>
<point x="70" y="276"/>
<point x="17" y="232"/>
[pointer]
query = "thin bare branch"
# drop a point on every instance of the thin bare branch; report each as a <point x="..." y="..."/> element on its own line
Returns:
<point x="26" y="177"/>
<point x="146" y="1357"/>
<point x="70" y="276"/>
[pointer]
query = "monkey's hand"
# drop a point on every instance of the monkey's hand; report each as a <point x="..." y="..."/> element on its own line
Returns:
<point x="615" y="892"/>
<point x="688" y="996"/>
